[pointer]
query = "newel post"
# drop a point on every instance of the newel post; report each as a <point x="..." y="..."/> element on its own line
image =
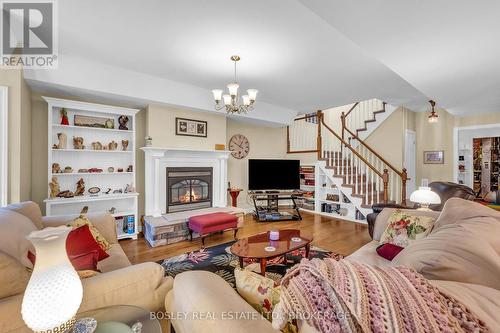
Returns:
<point x="385" y="178"/>
<point x="319" y="116"/>
<point x="404" y="178"/>
<point x="342" y="119"/>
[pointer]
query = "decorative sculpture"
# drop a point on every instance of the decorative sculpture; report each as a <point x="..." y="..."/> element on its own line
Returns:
<point x="149" y="141"/>
<point x="66" y="194"/>
<point x="64" y="117"/>
<point x="130" y="168"/>
<point x="112" y="145"/>
<point x="54" y="188"/>
<point x="68" y="169"/>
<point x="63" y="141"/>
<point x="123" y="120"/>
<point x="80" y="187"/>
<point x="56" y="168"/>
<point x="129" y="188"/>
<point x="124" y="145"/>
<point x="97" y="145"/>
<point x="78" y="142"/>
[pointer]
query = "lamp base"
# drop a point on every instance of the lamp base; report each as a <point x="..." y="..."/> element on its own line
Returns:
<point x="424" y="207"/>
<point x="63" y="328"/>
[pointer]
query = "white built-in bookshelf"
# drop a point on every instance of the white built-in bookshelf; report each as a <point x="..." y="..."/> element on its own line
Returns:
<point x="81" y="160"/>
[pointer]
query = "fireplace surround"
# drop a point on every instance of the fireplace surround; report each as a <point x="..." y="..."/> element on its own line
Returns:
<point x="188" y="188"/>
<point x="158" y="159"/>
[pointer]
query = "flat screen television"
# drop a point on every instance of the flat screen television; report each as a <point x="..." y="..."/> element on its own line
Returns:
<point x="273" y="174"/>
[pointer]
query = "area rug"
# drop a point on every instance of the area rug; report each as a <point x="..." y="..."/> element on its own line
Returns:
<point x="219" y="260"/>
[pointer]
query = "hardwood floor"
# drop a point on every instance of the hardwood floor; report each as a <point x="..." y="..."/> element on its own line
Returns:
<point x="328" y="233"/>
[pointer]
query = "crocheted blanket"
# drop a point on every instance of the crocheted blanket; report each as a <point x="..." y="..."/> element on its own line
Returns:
<point x="344" y="296"/>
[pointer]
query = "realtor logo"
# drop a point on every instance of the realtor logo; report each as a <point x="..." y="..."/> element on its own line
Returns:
<point x="29" y="34"/>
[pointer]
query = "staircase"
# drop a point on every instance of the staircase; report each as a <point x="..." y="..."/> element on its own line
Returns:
<point x="346" y="161"/>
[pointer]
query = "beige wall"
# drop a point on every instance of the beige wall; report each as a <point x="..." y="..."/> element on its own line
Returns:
<point x="19" y="156"/>
<point x="265" y="142"/>
<point x="160" y="125"/>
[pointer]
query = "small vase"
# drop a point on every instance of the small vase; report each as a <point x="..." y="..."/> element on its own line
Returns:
<point x="54" y="292"/>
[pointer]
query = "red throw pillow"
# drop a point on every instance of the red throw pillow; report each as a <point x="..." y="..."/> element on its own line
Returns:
<point x="85" y="261"/>
<point x="80" y="241"/>
<point x="388" y="251"/>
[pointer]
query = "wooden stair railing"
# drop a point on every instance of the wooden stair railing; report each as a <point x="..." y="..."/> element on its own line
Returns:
<point x="317" y="150"/>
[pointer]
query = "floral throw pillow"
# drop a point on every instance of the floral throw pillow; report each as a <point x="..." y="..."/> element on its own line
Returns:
<point x="261" y="293"/>
<point x="83" y="220"/>
<point x="403" y="228"/>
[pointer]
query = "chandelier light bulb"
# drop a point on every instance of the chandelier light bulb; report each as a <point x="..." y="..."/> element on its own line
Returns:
<point x="233" y="89"/>
<point x="217" y="95"/>
<point x="433" y="117"/>
<point x="252" y="94"/>
<point x="227" y="99"/>
<point x="246" y="100"/>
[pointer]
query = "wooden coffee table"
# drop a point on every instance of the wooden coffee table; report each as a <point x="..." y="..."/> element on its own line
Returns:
<point x="254" y="247"/>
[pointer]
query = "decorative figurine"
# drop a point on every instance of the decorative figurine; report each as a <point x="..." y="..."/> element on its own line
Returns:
<point x="68" y="169"/>
<point x="56" y="168"/>
<point x="129" y="188"/>
<point x="111" y="169"/>
<point x="84" y="210"/>
<point x="112" y="210"/>
<point x="120" y="169"/>
<point x="64" y="117"/>
<point x="95" y="170"/>
<point x="63" y="141"/>
<point x="108" y="191"/>
<point x="117" y="191"/>
<point x="66" y="194"/>
<point x="94" y="191"/>
<point x="124" y="145"/>
<point x="149" y="141"/>
<point x="123" y="120"/>
<point x="83" y="170"/>
<point x="54" y="188"/>
<point x="80" y="187"/>
<point x="130" y="168"/>
<point x="97" y="145"/>
<point x="78" y="142"/>
<point x="112" y="145"/>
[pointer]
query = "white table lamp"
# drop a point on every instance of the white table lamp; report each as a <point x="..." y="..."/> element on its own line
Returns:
<point x="54" y="292"/>
<point x="425" y="197"/>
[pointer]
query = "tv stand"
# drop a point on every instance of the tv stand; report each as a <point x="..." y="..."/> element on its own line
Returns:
<point x="267" y="206"/>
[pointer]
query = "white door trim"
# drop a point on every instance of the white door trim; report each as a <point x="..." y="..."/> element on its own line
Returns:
<point x="4" y="147"/>
<point x="405" y="162"/>
<point x="455" y="145"/>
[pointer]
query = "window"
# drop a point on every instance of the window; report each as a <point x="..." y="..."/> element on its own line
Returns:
<point x="3" y="144"/>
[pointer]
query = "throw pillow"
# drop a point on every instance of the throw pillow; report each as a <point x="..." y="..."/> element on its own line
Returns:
<point x="14" y="276"/>
<point x="388" y="251"/>
<point x="85" y="261"/>
<point x="261" y="293"/>
<point x="464" y="247"/>
<point x="81" y="241"/>
<point x="403" y="228"/>
<point x="83" y="220"/>
<point x="15" y="227"/>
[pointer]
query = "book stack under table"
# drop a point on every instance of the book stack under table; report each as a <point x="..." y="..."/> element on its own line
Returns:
<point x="173" y="227"/>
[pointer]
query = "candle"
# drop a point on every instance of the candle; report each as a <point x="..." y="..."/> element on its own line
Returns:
<point x="274" y="235"/>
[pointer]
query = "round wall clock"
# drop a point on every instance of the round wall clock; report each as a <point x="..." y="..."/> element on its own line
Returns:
<point x="239" y="146"/>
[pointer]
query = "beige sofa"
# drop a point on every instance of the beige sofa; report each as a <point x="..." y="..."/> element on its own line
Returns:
<point x="205" y="292"/>
<point x="120" y="283"/>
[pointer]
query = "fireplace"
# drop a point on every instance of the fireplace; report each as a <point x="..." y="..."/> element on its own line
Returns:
<point x="189" y="188"/>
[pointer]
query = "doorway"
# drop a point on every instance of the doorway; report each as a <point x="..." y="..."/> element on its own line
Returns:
<point x="410" y="160"/>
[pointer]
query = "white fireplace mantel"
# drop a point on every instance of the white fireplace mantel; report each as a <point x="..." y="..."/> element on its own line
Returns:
<point x="158" y="159"/>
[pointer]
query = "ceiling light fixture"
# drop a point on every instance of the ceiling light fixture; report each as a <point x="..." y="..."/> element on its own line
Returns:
<point x="231" y="100"/>
<point x="433" y="117"/>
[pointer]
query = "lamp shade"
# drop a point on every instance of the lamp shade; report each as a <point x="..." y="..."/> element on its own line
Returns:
<point x="233" y="88"/>
<point x="217" y="94"/>
<point x="424" y="195"/>
<point x="252" y="93"/>
<point x="227" y="99"/>
<point x="246" y="100"/>
<point x="54" y="292"/>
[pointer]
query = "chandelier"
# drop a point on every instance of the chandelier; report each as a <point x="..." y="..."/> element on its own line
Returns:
<point x="433" y="117"/>
<point x="231" y="100"/>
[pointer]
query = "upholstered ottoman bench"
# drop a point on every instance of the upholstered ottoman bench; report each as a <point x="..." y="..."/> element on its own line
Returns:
<point x="210" y="223"/>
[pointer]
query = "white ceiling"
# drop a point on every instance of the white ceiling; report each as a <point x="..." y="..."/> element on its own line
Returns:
<point x="301" y="55"/>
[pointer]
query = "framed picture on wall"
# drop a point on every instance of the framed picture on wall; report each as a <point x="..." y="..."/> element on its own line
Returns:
<point x="191" y="127"/>
<point x="434" y="157"/>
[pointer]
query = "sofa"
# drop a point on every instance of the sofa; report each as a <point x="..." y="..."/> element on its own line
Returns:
<point x="473" y="280"/>
<point x="445" y="190"/>
<point x="119" y="283"/>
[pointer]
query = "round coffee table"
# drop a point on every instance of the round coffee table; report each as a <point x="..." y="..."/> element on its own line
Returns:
<point x="254" y="247"/>
<point x="125" y="314"/>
